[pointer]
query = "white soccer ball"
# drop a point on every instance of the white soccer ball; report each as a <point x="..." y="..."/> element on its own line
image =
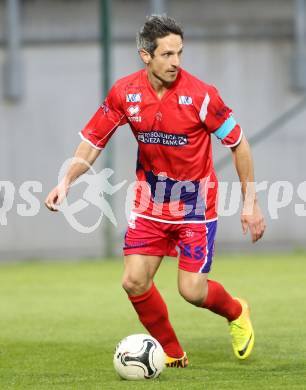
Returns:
<point x="139" y="356"/>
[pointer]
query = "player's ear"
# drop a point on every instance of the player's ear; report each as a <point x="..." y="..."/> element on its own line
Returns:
<point x="145" y="56"/>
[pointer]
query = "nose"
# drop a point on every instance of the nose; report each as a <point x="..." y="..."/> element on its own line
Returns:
<point x="176" y="61"/>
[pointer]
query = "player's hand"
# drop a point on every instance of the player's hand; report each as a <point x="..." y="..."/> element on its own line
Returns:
<point x="56" y="196"/>
<point x="253" y="222"/>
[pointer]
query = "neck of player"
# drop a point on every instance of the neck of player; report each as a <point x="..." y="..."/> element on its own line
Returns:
<point x="160" y="86"/>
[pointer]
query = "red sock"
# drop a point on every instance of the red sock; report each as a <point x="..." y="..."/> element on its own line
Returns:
<point x="153" y="314"/>
<point x="221" y="302"/>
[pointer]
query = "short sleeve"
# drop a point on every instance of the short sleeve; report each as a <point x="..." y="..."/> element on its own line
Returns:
<point x="105" y="121"/>
<point x="219" y="120"/>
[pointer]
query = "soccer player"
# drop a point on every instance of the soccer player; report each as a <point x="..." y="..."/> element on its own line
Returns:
<point x="172" y="115"/>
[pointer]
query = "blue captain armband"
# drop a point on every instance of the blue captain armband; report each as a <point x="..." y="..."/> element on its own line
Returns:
<point x="226" y="128"/>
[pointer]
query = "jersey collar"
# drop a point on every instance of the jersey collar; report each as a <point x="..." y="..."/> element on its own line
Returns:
<point x="169" y="90"/>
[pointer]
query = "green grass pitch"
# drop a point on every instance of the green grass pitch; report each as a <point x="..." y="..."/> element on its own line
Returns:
<point x="60" y="322"/>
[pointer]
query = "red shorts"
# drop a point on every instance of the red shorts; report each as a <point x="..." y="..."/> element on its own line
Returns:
<point x="193" y="241"/>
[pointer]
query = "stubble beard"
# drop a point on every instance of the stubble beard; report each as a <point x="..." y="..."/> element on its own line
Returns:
<point x="165" y="81"/>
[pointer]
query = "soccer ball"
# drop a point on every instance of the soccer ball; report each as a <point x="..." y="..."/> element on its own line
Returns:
<point x="139" y="356"/>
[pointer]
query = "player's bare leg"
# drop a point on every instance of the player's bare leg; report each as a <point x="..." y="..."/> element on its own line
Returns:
<point x="193" y="286"/>
<point x="197" y="289"/>
<point x="151" y="309"/>
<point x="139" y="271"/>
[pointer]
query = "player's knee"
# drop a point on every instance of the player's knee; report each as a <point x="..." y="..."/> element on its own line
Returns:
<point x="134" y="286"/>
<point x="194" y="299"/>
<point x="195" y="295"/>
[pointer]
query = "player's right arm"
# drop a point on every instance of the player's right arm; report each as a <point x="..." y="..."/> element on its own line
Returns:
<point x="84" y="157"/>
<point x="95" y="136"/>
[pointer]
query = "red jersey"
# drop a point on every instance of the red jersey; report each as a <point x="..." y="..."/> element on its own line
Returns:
<point x="176" y="181"/>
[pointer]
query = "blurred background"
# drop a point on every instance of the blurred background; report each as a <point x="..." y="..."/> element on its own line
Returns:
<point x="58" y="59"/>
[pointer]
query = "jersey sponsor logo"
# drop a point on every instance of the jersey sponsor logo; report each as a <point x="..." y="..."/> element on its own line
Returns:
<point x="133" y="97"/>
<point x="133" y="110"/>
<point x="135" y="118"/>
<point x="187" y="100"/>
<point x="161" y="138"/>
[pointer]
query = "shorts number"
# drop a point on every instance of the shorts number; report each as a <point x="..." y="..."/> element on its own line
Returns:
<point x="197" y="254"/>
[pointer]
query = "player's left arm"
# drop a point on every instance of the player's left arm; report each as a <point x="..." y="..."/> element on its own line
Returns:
<point x="218" y="120"/>
<point x="251" y="216"/>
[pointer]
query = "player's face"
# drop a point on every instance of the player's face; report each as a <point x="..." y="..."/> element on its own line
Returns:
<point x="165" y="63"/>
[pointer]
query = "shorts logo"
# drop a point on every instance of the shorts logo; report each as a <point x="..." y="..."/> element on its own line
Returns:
<point x="186" y="100"/>
<point x="161" y="138"/>
<point x="133" y="110"/>
<point x="132" y="222"/>
<point x="133" y="97"/>
<point x="189" y="233"/>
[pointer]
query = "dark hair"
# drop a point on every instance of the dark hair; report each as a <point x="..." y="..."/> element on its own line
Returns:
<point x="156" y="26"/>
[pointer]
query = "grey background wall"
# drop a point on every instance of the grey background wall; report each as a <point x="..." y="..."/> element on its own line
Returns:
<point x="244" y="47"/>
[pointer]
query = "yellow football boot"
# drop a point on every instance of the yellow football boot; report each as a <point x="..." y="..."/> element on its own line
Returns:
<point x="242" y="332"/>
<point x="177" y="362"/>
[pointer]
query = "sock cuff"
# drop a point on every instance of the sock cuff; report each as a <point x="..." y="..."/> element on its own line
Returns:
<point x="144" y="296"/>
<point x="209" y="299"/>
